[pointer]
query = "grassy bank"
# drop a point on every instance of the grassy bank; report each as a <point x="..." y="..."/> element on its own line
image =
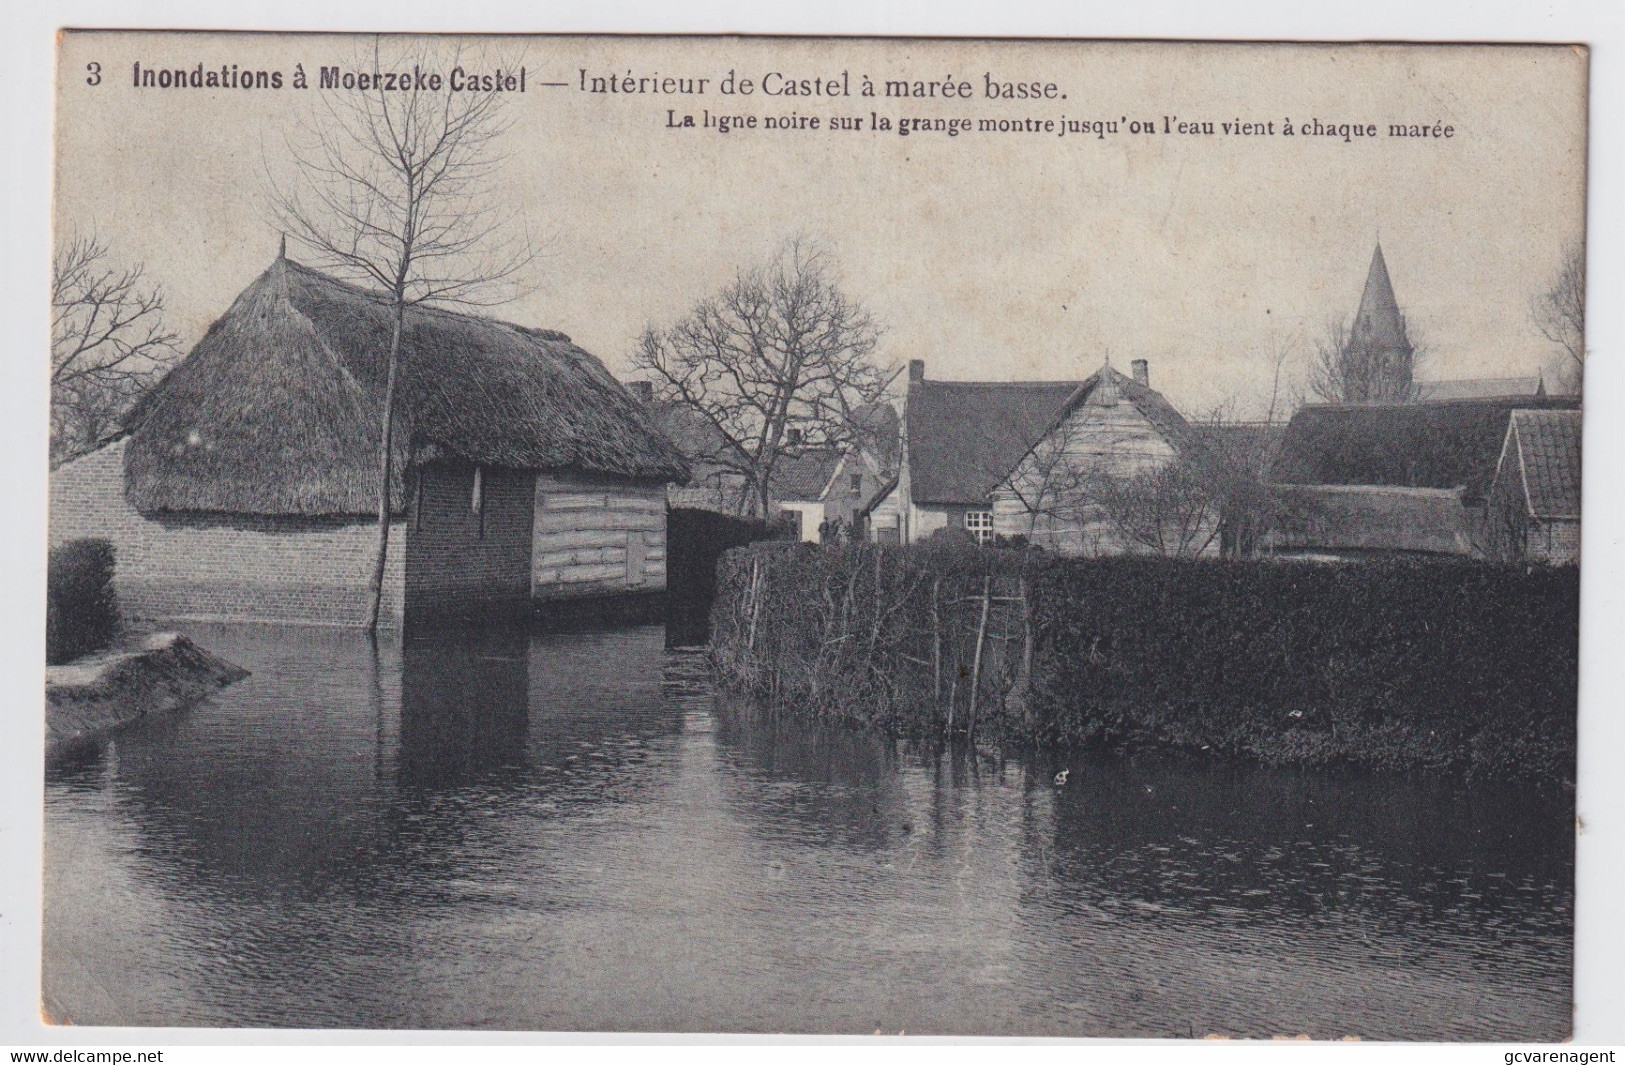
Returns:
<point x="1392" y="665"/>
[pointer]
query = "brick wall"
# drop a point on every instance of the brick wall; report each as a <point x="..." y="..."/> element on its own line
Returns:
<point x="1555" y="541"/>
<point x="593" y="539"/>
<point x="546" y="538"/>
<point x="463" y="559"/>
<point x="225" y="567"/>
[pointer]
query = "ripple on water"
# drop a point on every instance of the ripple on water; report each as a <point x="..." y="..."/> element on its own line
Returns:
<point x="567" y="832"/>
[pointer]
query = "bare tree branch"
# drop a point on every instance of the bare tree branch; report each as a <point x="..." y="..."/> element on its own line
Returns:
<point x="1560" y="313"/>
<point x="394" y="189"/>
<point x="781" y="347"/>
<point x="108" y="343"/>
<point x="1344" y="370"/>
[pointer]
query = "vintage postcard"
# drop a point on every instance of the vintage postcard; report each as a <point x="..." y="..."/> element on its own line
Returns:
<point x="814" y="535"/>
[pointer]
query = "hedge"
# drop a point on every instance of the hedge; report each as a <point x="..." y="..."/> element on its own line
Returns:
<point x="1392" y="664"/>
<point x="81" y="612"/>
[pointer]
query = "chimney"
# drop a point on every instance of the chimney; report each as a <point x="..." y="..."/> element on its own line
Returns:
<point x="916" y="370"/>
<point x="792" y="436"/>
<point x="642" y="391"/>
<point x="1142" y="371"/>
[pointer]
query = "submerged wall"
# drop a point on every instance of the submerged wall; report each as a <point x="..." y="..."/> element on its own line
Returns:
<point x="225" y="567"/>
<point x="103" y="691"/>
<point x="467" y="550"/>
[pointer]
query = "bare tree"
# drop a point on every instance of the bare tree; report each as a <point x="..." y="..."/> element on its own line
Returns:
<point x="1053" y="480"/>
<point x="394" y="189"/>
<point x="108" y="343"/>
<point x="1344" y="369"/>
<point x="1082" y="489"/>
<point x="1172" y="509"/>
<point x="1560" y="313"/>
<point x="780" y="348"/>
<point x="1240" y="455"/>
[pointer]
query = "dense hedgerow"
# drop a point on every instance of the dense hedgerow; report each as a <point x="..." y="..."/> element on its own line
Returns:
<point x="81" y="613"/>
<point x="1393" y="664"/>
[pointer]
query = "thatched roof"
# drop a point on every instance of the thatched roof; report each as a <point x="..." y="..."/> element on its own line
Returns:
<point x="1452" y="444"/>
<point x="277" y="408"/>
<point x="965" y="437"/>
<point x="1484" y="388"/>
<point x="1371" y="519"/>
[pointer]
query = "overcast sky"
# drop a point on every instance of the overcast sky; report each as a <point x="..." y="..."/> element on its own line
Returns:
<point x="988" y="255"/>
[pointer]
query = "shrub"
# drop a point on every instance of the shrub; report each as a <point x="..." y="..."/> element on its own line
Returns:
<point x="1389" y="663"/>
<point x="81" y="612"/>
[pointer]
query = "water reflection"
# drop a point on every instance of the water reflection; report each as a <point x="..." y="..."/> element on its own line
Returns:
<point x="568" y="832"/>
<point x="465" y="706"/>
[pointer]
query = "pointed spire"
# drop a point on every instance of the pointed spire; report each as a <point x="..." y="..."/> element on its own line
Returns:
<point x="282" y="250"/>
<point x="1378" y="321"/>
<point x="1540" y="385"/>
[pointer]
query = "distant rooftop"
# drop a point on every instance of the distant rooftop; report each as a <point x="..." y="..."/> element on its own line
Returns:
<point x="1482" y="388"/>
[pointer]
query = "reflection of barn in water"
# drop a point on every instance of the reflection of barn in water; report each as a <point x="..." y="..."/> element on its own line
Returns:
<point x="465" y="709"/>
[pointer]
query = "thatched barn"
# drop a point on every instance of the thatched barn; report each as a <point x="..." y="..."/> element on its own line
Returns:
<point x="245" y="485"/>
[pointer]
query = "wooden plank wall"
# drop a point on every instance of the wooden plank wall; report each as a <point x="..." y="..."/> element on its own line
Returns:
<point x="597" y="540"/>
<point x="1116" y="440"/>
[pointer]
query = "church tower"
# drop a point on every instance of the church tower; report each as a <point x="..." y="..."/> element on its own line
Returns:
<point x="1378" y="356"/>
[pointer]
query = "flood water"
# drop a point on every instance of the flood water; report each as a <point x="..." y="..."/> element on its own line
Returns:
<point x="567" y="832"/>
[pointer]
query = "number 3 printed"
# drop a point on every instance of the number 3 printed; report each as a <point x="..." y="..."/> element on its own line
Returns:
<point x="95" y="71"/>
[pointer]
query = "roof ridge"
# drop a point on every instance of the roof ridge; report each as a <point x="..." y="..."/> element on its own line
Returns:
<point x="1004" y="384"/>
<point x="356" y="394"/>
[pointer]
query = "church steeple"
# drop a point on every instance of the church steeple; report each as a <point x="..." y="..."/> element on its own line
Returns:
<point x="1378" y="322"/>
<point x="1378" y="358"/>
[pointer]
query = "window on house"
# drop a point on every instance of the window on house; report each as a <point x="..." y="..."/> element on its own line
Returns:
<point x="857" y="484"/>
<point x="477" y="501"/>
<point x="979" y="523"/>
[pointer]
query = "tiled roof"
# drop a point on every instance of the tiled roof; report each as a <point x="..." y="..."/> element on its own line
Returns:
<point x="1454" y="444"/>
<point x="803" y="476"/>
<point x="1546" y="445"/>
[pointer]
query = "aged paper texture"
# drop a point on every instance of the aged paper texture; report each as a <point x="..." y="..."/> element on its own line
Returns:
<point x="1152" y="471"/>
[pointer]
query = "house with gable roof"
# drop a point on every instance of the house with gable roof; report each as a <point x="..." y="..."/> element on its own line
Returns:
<point x="1401" y="478"/>
<point x="978" y="457"/>
<point x="1534" y="499"/>
<point x="1413" y="473"/>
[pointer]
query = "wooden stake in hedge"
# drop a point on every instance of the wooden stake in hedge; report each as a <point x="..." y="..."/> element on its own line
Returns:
<point x="1024" y="682"/>
<point x="936" y="645"/>
<point x="976" y="659"/>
